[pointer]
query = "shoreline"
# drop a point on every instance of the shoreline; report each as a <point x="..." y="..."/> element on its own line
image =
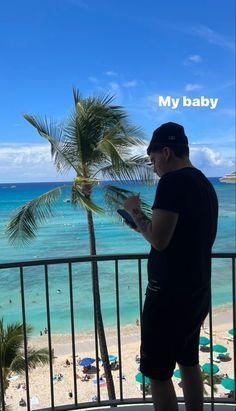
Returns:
<point x="222" y="318"/>
<point x="39" y="378"/>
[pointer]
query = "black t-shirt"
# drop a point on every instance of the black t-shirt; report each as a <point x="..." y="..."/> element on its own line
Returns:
<point x="185" y="264"/>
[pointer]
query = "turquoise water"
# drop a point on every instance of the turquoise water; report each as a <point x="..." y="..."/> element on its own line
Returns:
<point x="65" y="235"/>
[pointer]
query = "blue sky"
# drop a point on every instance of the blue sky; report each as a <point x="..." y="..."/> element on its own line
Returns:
<point x="134" y="50"/>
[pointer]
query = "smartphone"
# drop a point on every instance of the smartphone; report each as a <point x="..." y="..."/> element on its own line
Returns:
<point x="127" y="217"/>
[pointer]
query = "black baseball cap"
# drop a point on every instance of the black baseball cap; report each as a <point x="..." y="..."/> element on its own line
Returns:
<point x="168" y="134"/>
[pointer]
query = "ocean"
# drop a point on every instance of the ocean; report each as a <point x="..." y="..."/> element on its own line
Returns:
<point x="66" y="235"/>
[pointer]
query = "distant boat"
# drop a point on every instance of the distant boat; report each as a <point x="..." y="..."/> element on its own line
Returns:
<point x="67" y="200"/>
<point x="228" y="178"/>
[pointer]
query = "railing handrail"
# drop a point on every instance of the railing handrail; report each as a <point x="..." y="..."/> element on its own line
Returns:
<point x="96" y="258"/>
<point x="90" y="258"/>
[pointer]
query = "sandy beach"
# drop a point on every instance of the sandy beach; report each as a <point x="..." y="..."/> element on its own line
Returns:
<point x="130" y="338"/>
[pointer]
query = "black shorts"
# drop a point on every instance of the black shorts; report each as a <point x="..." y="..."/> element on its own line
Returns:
<point x="170" y="331"/>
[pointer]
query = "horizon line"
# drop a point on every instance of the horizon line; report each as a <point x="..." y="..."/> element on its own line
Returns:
<point x="40" y="182"/>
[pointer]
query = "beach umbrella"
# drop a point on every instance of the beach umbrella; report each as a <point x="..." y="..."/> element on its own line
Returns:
<point x="203" y="340"/>
<point x="231" y="331"/>
<point x="139" y="378"/>
<point x="228" y="383"/>
<point x="177" y="374"/>
<point x="101" y="381"/>
<point x="86" y="361"/>
<point x="219" y="348"/>
<point x="207" y="368"/>
<point x="112" y="358"/>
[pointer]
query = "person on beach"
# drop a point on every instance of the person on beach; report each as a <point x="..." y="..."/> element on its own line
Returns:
<point x="181" y="232"/>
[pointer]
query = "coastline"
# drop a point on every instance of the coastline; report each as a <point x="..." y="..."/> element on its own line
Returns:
<point x="222" y="318"/>
<point x="39" y="379"/>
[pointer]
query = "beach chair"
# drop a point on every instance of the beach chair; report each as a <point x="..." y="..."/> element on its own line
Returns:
<point x="223" y="356"/>
<point x="215" y="359"/>
<point x="115" y="365"/>
<point x="22" y="402"/>
<point x="137" y="359"/>
<point x="207" y="331"/>
<point x="228" y="338"/>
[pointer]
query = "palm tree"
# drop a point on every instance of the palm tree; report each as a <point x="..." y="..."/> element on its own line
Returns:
<point x="12" y="353"/>
<point x="96" y="142"/>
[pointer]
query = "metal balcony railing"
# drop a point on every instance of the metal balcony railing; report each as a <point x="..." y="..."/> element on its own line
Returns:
<point x="137" y="260"/>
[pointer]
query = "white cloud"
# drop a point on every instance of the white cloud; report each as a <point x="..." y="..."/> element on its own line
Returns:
<point x="111" y="73"/>
<point x="152" y="109"/>
<point x="93" y="79"/>
<point x="212" y="37"/>
<point x="132" y="83"/>
<point x="33" y="163"/>
<point x="82" y="4"/>
<point x="114" y="88"/>
<point x="24" y="154"/>
<point x="222" y="138"/>
<point x="196" y="58"/>
<point x="27" y="162"/>
<point x="192" y="87"/>
<point x="230" y="112"/>
<point x="205" y="157"/>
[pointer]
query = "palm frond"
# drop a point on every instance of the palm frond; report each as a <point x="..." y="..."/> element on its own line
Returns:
<point x="86" y="203"/>
<point x="133" y="169"/>
<point x="24" y="223"/>
<point x="53" y="133"/>
<point x="91" y="120"/>
<point x="76" y="96"/>
<point x="13" y="341"/>
<point x="116" y="196"/>
<point x="34" y="357"/>
<point x="111" y="152"/>
<point x="120" y="138"/>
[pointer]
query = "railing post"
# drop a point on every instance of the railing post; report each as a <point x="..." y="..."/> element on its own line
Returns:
<point x="93" y="260"/>
<point x="25" y="336"/>
<point x="118" y="327"/>
<point x="141" y="310"/>
<point x="93" y="267"/>
<point x="234" y="320"/>
<point x="2" y="397"/>
<point x="73" y="332"/>
<point x="49" y="334"/>
<point x="211" y="355"/>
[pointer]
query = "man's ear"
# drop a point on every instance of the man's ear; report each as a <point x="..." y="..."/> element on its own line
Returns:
<point x="167" y="153"/>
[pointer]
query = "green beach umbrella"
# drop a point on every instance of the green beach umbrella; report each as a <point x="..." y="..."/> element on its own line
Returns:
<point x="231" y="331"/>
<point x="219" y="348"/>
<point x="139" y="378"/>
<point x="207" y="368"/>
<point x="228" y="383"/>
<point x="177" y="374"/>
<point x="203" y="340"/>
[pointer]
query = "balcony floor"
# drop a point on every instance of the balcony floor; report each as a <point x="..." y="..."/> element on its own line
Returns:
<point x="149" y="407"/>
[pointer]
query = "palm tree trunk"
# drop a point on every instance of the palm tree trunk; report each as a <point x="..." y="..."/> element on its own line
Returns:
<point x="98" y="313"/>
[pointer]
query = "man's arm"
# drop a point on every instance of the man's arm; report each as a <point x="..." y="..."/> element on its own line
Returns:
<point x="159" y="230"/>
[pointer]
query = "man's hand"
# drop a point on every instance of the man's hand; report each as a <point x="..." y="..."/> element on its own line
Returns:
<point x="133" y="228"/>
<point x="132" y="203"/>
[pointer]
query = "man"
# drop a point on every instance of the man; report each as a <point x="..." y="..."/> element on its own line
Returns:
<point x="181" y="233"/>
